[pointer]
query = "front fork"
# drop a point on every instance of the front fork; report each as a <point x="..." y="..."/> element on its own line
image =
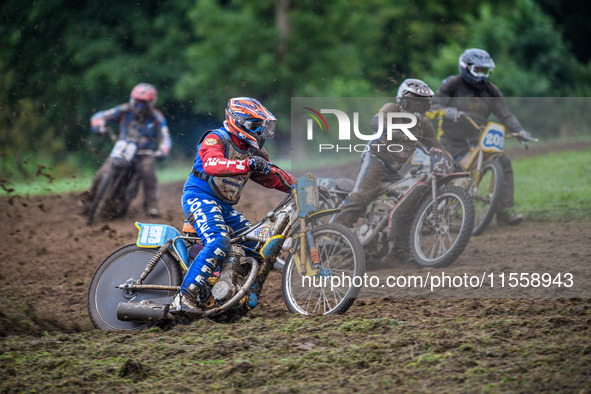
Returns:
<point x="307" y="241"/>
<point x="434" y="209"/>
<point x="478" y="174"/>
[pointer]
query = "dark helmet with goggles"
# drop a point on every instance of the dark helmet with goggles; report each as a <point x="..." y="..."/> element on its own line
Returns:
<point x="476" y="66"/>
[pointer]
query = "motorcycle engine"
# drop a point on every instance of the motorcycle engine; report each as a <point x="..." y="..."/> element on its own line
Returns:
<point x="377" y="210"/>
<point x="226" y="286"/>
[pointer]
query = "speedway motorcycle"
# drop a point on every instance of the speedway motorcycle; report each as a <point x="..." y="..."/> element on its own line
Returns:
<point x="119" y="185"/>
<point x="486" y="172"/>
<point x="422" y="214"/>
<point x="133" y="287"/>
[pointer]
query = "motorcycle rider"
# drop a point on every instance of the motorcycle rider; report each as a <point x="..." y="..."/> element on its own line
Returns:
<point x="139" y="122"/>
<point x="226" y="159"/>
<point x="471" y="93"/>
<point x="377" y="165"/>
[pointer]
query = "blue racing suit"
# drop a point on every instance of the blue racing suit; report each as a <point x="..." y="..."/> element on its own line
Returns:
<point x="219" y="173"/>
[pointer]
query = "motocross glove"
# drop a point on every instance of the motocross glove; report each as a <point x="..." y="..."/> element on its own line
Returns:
<point x="526" y="135"/>
<point x="258" y="164"/>
<point x="452" y="113"/>
<point x="102" y="130"/>
<point x="159" y="155"/>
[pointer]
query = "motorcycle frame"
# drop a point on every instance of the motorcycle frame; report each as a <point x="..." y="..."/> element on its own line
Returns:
<point x="433" y="183"/>
<point x="308" y="266"/>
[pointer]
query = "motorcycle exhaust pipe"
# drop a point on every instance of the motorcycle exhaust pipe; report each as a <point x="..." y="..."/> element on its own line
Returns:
<point x="142" y="312"/>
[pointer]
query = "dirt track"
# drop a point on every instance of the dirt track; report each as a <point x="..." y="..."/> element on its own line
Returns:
<point x="428" y="344"/>
<point x="50" y="254"/>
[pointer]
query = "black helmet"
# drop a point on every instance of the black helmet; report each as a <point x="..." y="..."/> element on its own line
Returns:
<point x="414" y="95"/>
<point x="476" y="65"/>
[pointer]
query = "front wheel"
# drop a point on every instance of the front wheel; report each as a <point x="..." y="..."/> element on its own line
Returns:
<point x="125" y="265"/>
<point x="486" y="195"/>
<point x="333" y="289"/>
<point x="437" y="238"/>
<point x="102" y="195"/>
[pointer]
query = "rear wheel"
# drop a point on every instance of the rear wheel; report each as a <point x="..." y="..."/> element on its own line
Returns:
<point x="341" y="258"/>
<point x="125" y="265"/>
<point x="486" y="195"/>
<point x="438" y="238"/>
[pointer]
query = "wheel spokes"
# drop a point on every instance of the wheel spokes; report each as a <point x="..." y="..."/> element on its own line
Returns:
<point x="436" y="238"/>
<point x="323" y="295"/>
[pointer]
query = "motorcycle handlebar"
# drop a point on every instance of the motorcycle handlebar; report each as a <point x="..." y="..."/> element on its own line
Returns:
<point x="519" y="136"/>
<point x="523" y="138"/>
<point x="273" y="169"/>
<point x="324" y="192"/>
<point x="464" y="115"/>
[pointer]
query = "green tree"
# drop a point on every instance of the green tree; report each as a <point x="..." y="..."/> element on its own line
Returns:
<point x="530" y="53"/>
<point x="61" y="60"/>
<point x="64" y="59"/>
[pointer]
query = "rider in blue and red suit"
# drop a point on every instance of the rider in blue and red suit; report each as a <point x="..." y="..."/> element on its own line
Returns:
<point x="226" y="159"/>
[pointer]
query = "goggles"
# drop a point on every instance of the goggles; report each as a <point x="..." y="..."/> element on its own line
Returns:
<point x="262" y="127"/>
<point x="481" y="71"/>
<point x="416" y="104"/>
<point x="265" y="128"/>
<point x="139" y="104"/>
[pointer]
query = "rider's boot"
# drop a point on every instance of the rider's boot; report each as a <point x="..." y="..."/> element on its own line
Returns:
<point x="153" y="213"/>
<point x="509" y="217"/>
<point x="151" y="209"/>
<point x="189" y="302"/>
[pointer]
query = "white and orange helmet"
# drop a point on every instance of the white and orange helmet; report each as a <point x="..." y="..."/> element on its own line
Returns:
<point x="250" y="121"/>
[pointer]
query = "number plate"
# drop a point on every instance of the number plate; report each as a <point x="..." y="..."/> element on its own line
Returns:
<point x="150" y="235"/>
<point x="155" y="235"/>
<point x="307" y="195"/>
<point x="493" y="138"/>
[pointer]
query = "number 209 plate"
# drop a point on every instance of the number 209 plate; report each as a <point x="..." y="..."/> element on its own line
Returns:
<point x="493" y="137"/>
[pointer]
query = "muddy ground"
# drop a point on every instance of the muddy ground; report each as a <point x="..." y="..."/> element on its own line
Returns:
<point x="49" y="255"/>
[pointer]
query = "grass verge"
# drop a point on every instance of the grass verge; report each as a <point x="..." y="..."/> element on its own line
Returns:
<point x="557" y="185"/>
